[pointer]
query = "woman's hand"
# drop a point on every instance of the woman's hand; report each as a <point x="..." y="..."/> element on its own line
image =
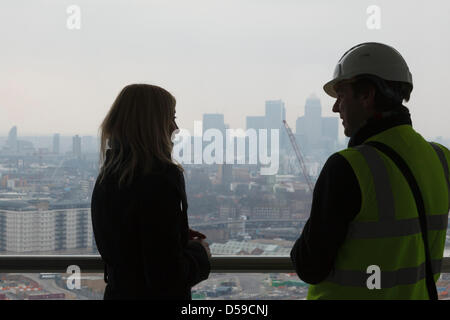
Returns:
<point x="205" y="245"/>
<point x="196" y="235"/>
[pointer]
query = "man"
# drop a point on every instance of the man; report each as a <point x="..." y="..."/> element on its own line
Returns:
<point x="380" y="208"/>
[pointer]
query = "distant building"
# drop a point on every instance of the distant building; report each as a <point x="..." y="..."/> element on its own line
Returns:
<point x="214" y="121"/>
<point x="275" y="114"/>
<point x="312" y="131"/>
<point x="255" y="122"/>
<point x="76" y="146"/>
<point x="25" y="147"/>
<point x="233" y="247"/>
<point x="12" y="140"/>
<point x="301" y="135"/>
<point x="56" y="143"/>
<point x="310" y="125"/>
<point x="225" y="174"/>
<point x="14" y="146"/>
<point x="241" y="174"/>
<point x="330" y="132"/>
<point x="88" y="144"/>
<point x="43" y="227"/>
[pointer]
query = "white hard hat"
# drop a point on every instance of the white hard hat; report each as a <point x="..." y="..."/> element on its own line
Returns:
<point x="370" y="58"/>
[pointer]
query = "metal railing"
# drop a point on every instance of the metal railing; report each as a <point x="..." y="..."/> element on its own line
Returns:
<point x="94" y="264"/>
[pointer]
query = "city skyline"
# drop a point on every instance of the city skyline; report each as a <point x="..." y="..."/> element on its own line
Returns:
<point x="274" y="113"/>
<point x="230" y="65"/>
<point x="341" y="137"/>
<point x="214" y="57"/>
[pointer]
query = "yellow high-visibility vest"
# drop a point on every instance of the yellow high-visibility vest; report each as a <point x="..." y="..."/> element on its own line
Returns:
<point x="386" y="233"/>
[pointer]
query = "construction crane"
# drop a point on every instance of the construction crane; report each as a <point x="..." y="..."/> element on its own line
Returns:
<point x="299" y="156"/>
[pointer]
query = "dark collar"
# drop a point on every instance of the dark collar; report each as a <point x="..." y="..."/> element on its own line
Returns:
<point x="379" y="124"/>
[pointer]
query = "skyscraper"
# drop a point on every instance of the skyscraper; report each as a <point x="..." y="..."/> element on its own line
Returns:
<point x="56" y="143"/>
<point x="313" y="123"/>
<point x="76" y="146"/>
<point x="88" y="144"/>
<point x="275" y="114"/>
<point x="313" y="107"/>
<point x="314" y="131"/>
<point x="225" y="174"/>
<point x="330" y="130"/>
<point x="12" y="139"/>
<point x="255" y="122"/>
<point x="215" y="121"/>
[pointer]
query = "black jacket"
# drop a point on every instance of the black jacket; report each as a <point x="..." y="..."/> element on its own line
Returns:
<point x="336" y="202"/>
<point x="141" y="233"/>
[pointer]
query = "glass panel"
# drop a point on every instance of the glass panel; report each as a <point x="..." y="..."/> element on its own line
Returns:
<point x="249" y="74"/>
<point x="53" y="286"/>
<point x="251" y="286"/>
<point x="219" y="286"/>
<point x="49" y="286"/>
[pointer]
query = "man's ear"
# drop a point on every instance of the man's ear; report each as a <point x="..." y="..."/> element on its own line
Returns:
<point x="368" y="99"/>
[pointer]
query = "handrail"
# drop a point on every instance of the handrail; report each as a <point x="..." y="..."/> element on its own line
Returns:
<point x="94" y="264"/>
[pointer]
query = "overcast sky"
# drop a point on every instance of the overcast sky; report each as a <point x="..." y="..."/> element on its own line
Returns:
<point x="225" y="56"/>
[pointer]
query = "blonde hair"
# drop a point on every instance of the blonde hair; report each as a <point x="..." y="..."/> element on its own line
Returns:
<point x="137" y="129"/>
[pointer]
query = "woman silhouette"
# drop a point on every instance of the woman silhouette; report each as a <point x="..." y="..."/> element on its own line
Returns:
<point x="139" y="207"/>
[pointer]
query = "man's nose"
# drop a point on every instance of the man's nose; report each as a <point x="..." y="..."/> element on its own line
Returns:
<point x="336" y="106"/>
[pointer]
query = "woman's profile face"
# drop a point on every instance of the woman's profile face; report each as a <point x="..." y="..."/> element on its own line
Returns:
<point x="173" y="125"/>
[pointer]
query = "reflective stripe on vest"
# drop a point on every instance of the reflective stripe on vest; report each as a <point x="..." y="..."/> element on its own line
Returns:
<point x="396" y="228"/>
<point x="389" y="279"/>
<point x="441" y="157"/>
<point x="387" y="226"/>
